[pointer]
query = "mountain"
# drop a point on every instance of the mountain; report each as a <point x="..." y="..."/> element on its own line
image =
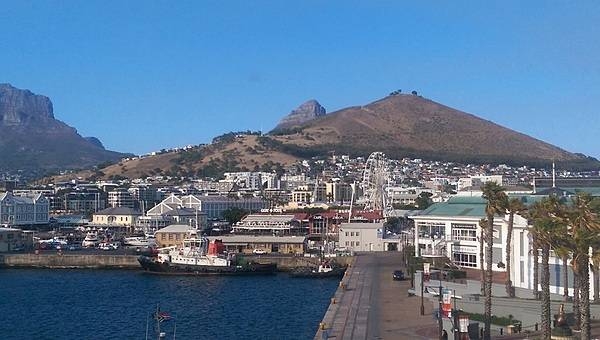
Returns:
<point x="32" y="139"/>
<point x="411" y="126"/>
<point x="398" y="125"/>
<point x="303" y="114"/>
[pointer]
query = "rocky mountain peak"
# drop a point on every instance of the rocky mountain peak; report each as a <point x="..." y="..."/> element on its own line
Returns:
<point x="308" y="111"/>
<point x="18" y="107"/>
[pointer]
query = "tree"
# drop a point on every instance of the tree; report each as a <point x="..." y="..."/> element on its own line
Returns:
<point x="514" y="206"/>
<point x="482" y="226"/>
<point x="234" y="215"/>
<point x="423" y="201"/>
<point x="583" y="228"/>
<point x="496" y="204"/>
<point x="546" y="217"/>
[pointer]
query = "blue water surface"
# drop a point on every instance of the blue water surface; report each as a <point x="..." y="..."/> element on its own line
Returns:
<point x="116" y="304"/>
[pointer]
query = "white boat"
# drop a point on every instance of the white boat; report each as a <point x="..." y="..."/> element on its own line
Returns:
<point x="139" y="241"/>
<point x="90" y="240"/>
<point x="199" y="256"/>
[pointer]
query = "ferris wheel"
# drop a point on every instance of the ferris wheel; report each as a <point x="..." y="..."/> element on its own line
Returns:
<point x="375" y="180"/>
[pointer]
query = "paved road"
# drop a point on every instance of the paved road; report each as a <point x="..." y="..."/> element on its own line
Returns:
<point x="373" y="306"/>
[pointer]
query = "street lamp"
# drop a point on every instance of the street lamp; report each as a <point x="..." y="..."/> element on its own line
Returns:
<point x="424" y="274"/>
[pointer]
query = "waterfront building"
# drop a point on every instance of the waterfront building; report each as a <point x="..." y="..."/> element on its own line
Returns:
<point x="116" y="217"/>
<point x="24" y="211"/>
<point x="272" y="225"/>
<point x="451" y="230"/>
<point x="247" y="244"/>
<point x="214" y="206"/>
<point x="172" y="235"/>
<point x="358" y="236"/>
<point x="12" y="239"/>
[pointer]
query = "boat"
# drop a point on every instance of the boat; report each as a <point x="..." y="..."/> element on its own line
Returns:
<point x="139" y="241"/>
<point x="325" y="270"/>
<point x="199" y="256"/>
<point x="90" y="240"/>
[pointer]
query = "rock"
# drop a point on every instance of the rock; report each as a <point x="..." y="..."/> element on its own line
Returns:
<point x="18" y="107"/>
<point x="304" y="113"/>
<point x="95" y="141"/>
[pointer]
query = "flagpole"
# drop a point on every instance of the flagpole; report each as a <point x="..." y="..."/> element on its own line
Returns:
<point x="147" y="317"/>
<point x="157" y="322"/>
<point x="174" y="328"/>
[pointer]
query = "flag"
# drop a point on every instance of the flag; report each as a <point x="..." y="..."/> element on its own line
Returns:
<point x="162" y="316"/>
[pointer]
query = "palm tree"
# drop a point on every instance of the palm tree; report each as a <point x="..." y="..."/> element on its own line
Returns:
<point x="482" y="225"/>
<point x="595" y="271"/>
<point x="514" y="206"/>
<point x="547" y="224"/>
<point x="496" y="204"/>
<point x="563" y="250"/>
<point x="584" y="227"/>
<point x="536" y="263"/>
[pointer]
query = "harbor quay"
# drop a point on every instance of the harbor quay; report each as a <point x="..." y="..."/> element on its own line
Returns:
<point x="369" y="304"/>
<point x="84" y="259"/>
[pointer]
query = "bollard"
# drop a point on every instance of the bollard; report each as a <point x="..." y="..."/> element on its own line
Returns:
<point x="501" y="331"/>
<point x="342" y="285"/>
<point x="333" y="301"/>
<point x="536" y="327"/>
<point x="322" y="325"/>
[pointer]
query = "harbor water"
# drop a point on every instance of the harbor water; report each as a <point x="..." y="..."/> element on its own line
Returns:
<point x="118" y="304"/>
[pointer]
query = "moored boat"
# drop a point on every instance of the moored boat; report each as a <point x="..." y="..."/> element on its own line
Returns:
<point x="90" y="241"/>
<point x="198" y="256"/>
<point x="325" y="270"/>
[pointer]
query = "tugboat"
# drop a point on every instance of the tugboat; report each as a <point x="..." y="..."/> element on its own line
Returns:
<point x="199" y="256"/>
<point x="325" y="270"/>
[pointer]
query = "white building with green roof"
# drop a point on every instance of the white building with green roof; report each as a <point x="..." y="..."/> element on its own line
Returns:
<point x="451" y="230"/>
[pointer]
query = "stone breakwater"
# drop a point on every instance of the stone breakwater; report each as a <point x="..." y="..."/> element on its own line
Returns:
<point x="109" y="261"/>
<point x="69" y="261"/>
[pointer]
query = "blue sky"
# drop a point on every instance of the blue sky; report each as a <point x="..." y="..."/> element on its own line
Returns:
<point x="147" y="75"/>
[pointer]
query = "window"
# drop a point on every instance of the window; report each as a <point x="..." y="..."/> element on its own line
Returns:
<point x="352" y="243"/>
<point x="351" y="233"/>
<point x="464" y="234"/>
<point x="357" y="243"/>
<point x="431" y="229"/>
<point x="346" y="233"/>
<point x="465" y="260"/>
<point x="357" y="233"/>
<point x="347" y="243"/>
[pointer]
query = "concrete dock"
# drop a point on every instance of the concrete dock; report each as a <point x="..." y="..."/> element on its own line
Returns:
<point x="368" y="304"/>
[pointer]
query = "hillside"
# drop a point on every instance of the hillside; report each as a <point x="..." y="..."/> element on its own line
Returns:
<point x="412" y="126"/>
<point x="240" y="153"/>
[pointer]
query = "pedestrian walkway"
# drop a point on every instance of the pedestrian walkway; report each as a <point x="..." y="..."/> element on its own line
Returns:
<point x="370" y="305"/>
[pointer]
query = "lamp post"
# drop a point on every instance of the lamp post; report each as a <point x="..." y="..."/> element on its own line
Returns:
<point x="440" y="319"/>
<point x="422" y="279"/>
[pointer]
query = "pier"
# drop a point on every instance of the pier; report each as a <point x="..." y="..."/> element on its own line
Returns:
<point x="368" y="304"/>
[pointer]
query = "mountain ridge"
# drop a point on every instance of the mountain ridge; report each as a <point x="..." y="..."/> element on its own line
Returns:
<point x="32" y="139"/>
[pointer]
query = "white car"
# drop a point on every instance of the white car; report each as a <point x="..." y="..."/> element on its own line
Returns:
<point x="259" y="251"/>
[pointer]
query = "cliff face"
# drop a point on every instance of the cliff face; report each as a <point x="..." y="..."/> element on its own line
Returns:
<point x="32" y="139"/>
<point x="303" y="114"/>
<point x="19" y="107"/>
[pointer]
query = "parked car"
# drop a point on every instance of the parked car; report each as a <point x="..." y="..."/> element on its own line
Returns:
<point x="259" y="251"/>
<point x="398" y="275"/>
